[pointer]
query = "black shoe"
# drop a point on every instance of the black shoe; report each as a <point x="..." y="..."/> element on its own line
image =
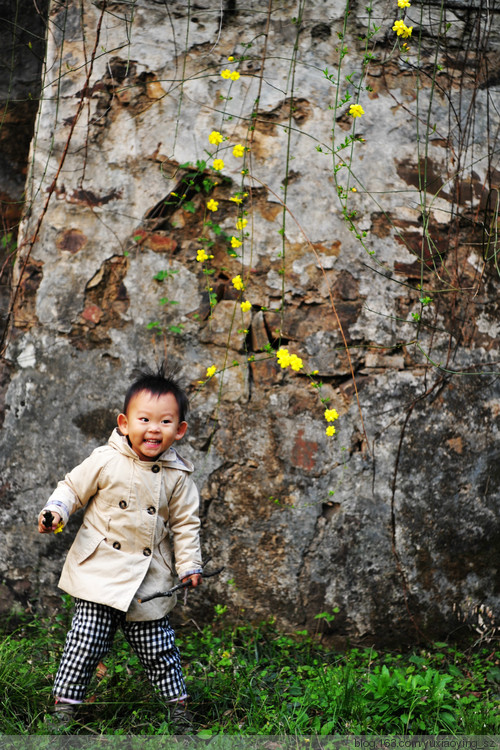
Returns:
<point x="181" y="718"/>
<point x="61" y="716"/>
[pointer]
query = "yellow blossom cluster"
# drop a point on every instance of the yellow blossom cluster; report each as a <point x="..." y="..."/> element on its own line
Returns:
<point x="238" y="283"/>
<point x="331" y="415"/>
<point x="230" y="75"/>
<point x="215" y="138"/>
<point x="356" y="110"/>
<point x="285" y="359"/>
<point x="238" y="198"/>
<point x="402" y="29"/>
<point x="201" y="255"/>
<point x="211" y="371"/>
<point x="246" y="305"/>
<point x="212" y="205"/>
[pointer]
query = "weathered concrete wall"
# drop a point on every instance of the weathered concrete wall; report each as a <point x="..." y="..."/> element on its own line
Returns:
<point x="395" y="519"/>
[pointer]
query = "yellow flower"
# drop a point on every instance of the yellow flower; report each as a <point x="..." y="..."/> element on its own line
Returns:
<point x="235" y="242"/>
<point x="226" y="73"/>
<point x="356" y="110"/>
<point x="246" y="306"/>
<point x="404" y="3"/>
<point x="238" y="150"/>
<point x="215" y="137"/>
<point x="241" y="223"/>
<point x="402" y="29"/>
<point x="238" y="283"/>
<point x="201" y="255"/>
<point x="296" y="363"/>
<point x="211" y="371"/>
<point x="236" y="199"/>
<point x="59" y="528"/>
<point x="330" y="430"/>
<point x="234" y="75"/>
<point x="218" y="165"/>
<point x="331" y="415"/>
<point x="230" y="58"/>
<point x="283" y="357"/>
<point x="212" y="205"/>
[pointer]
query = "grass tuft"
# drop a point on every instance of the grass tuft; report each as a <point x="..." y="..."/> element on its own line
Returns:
<point x="253" y="679"/>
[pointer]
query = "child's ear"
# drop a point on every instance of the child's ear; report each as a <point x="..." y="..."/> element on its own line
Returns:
<point x="122" y="422"/>
<point x="181" y="430"/>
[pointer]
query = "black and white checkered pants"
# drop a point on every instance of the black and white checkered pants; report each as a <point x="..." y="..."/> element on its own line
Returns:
<point x="90" y="638"/>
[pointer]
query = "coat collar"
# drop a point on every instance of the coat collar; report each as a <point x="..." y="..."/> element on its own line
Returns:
<point x="170" y="458"/>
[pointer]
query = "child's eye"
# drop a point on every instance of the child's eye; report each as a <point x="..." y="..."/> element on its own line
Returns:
<point x="143" y="419"/>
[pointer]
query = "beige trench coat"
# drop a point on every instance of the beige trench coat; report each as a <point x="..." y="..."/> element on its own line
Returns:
<point x="122" y="550"/>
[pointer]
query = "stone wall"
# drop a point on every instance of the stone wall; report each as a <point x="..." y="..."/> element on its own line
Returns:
<point x="22" y="46"/>
<point x="394" y="519"/>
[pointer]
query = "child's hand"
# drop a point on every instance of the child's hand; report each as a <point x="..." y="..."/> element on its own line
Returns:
<point x="196" y="579"/>
<point x="56" y="520"/>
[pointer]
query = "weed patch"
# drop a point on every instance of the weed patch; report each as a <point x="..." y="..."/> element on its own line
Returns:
<point x="253" y="679"/>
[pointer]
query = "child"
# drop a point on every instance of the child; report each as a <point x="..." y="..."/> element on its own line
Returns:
<point x="135" y="489"/>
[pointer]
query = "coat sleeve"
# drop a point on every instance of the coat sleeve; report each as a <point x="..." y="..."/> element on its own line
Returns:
<point x="184" y="521"/>
<point x="77" y="487"/>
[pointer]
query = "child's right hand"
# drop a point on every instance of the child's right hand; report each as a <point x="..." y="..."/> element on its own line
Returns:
<point x="56" y="519"/>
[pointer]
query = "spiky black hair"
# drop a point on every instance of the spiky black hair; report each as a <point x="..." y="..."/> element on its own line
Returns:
<point x="158" y="382"/>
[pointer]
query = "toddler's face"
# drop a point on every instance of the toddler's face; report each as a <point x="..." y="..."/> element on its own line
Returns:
<point x="152" y="424"/>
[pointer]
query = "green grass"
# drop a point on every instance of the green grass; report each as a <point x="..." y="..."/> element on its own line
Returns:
<point x="252" y="679"/>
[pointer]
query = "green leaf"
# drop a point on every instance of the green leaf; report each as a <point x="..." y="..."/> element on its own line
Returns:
<point x="493" y="675"/>
<point x="162" y="275"/>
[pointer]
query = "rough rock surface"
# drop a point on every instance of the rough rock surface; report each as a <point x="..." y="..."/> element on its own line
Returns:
<point x="22" y="44"/>
<point x="394" y="520"/>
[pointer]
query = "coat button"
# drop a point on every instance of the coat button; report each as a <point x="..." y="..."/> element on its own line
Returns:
<point x="155" y="469"/>
<point x="116" y="545"/>
<point x="122" y="504"/>
<point x="151" y="510"/>
<point x="146" y="552"/>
